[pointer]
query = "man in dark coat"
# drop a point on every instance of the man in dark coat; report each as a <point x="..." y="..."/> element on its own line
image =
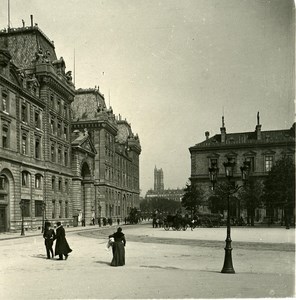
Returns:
<point x="49" y="236"/>
<point x="61" y="246"/>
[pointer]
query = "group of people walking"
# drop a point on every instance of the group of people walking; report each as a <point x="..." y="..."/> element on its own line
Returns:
<point x="62" y="248"/>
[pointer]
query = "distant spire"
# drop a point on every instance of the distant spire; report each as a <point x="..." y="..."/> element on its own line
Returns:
<point x="223" y="124"/>
<point x="258" y="118"/>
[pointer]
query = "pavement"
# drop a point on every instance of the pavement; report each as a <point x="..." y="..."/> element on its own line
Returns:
<point x="159" y="265"/>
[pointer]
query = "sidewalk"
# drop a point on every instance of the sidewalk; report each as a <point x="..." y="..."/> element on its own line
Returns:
<point x="31" y="233"/>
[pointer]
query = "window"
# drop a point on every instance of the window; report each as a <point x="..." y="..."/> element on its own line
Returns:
<point x="52" y="127"/>
<point x="38" y="179"/>
<point x="4" y="102"/>
<point x="24" y="112"/>
<point x="38" y="208"/>
<point x="37" y="147"/>
<point x="66" y="157"/>
<point x="59" y="106"/>
<point x="59" y="129"/>
<point x="59" y="155"/>
<point x="24" y="144"/>
<point x="25" y="179"/>
<point x="213" y="162"/>
<point x="65" y="110"/>
<point x="53" y="211"/>
<point x="268" y="162"/>
<point x="52" y="100"/>
<point x="252" y="163"/>
<point x="3" y="183"/>
<point x="53" y="183"/>
<point x="60" y="209"/>
<point x="52" y="152"/>
<point x="5" y="136"/>
<point x="60" y="184"/>
<point x="66" y="186"/>
<point x="65" y="132"/>
<point x="26" y="208"/>
<point x="37" y="119"/>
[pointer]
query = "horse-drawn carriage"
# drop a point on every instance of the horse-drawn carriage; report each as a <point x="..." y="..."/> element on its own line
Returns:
<point x="177" y="222"/>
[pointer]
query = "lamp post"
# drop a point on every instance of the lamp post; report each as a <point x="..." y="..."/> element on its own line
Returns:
<point x="43" y="206"/>
<point x="22" y="206"/>
<point x="229" y="168"/>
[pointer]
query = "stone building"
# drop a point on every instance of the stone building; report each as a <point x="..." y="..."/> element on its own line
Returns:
<point x="261" y="148"/>
<point x="115" y="176"/>
<point x="52" y="172"/>
<point x="170" y="194"/>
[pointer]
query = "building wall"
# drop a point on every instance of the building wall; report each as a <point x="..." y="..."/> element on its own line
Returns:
<point x="27" y="162"/>
<point x="261" y="148"/>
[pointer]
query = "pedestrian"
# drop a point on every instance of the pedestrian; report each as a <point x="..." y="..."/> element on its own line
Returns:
<point x="118" y="248"/>
<point x="118" y="221"/>
<point x="61" y="246"/>
<point x="49" y="236"/>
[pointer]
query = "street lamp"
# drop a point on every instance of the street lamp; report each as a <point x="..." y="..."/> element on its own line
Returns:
<point x="43" y="206"/>
<point x="22" y="206"/>
<point x="229" y="170"/>
<point x="228" y="267"/>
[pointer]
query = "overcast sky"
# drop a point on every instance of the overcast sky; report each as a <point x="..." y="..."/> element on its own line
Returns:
<point x="171" y="67"/>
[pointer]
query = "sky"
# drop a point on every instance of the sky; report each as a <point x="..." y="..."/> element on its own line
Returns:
<point x="172" y="68"/>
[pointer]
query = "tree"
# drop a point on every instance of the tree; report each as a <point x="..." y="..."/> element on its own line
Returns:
<point x="279" y="188"/>
<point x="161" y="204"/>
<point x="250" y="197"/>
<point x="218" y="201"/>
<point x="192" y="198"/>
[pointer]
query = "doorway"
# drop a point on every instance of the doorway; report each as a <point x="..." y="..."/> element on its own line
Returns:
<point x="3" y="219"/>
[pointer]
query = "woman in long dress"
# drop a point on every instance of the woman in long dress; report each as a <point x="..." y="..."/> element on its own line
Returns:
<point x="118" y="248"/>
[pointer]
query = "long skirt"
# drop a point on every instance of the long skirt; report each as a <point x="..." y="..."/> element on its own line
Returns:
<point x="118" y="254"/>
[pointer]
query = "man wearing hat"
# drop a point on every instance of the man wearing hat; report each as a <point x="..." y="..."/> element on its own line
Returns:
<point x="49" y="236"/>
<point x="61" y="246"/>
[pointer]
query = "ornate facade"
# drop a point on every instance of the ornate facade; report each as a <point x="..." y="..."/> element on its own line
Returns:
<point x="115" y="177"/>
<point x="53" y="172"/>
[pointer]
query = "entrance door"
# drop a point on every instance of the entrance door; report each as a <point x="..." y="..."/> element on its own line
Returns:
<point x="2" y="219"/>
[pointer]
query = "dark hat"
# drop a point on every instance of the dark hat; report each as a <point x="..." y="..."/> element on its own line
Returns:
<point x="47" y="224"/>
<point x="59" y="223"/>
<point x="119" y="229"/>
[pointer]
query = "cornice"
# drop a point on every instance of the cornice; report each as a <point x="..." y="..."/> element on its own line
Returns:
<point x="220" y="147"/>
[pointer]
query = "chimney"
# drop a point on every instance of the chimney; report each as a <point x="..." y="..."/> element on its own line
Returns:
<point x="31" y="20"/>
<point x="258" y="128"/>
<point x="223" y="131"/>
<point x="207" y="134"/>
